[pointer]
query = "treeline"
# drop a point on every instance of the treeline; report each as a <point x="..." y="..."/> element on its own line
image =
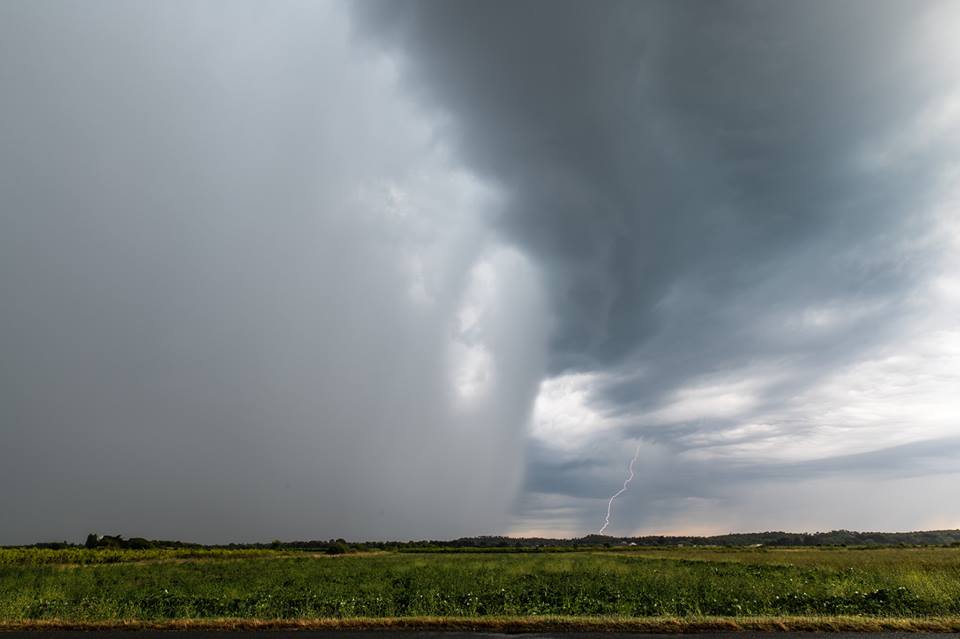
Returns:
<point x="831" y="538"/>
<point x="493" y="543"/>
<point x="772" y="538"/>
<point x="332" y="546"/>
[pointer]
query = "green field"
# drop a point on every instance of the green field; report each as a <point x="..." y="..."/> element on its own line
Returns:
<point x="79" y="586"/>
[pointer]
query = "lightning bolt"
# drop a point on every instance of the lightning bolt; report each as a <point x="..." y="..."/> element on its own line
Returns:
<point x="621" y="491"/>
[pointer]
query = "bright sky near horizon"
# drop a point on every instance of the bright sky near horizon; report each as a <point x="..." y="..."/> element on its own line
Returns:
<point x="432" y="268"/>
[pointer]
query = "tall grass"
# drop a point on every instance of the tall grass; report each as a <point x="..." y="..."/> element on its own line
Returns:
<point x="677" y="583"/>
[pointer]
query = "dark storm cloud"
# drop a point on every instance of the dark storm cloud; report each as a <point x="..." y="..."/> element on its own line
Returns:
<point x="652" y="146"/>
<point x="587" y="476"/>
<point x="701" y="185"/>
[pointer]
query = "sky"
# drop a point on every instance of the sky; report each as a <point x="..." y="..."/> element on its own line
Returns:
<point x="404" y="269"/>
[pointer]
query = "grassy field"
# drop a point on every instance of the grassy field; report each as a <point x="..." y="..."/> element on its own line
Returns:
<point x="660" y="589"/>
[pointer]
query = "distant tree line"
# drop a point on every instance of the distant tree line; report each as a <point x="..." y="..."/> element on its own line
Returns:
<point x="134" y="543"/>
<point x="494" y="543"/>
<point x="770" y="538"/>
<point x="332" y="546"/>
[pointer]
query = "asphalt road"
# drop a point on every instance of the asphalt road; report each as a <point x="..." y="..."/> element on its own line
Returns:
<point x="418" y="634"/>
